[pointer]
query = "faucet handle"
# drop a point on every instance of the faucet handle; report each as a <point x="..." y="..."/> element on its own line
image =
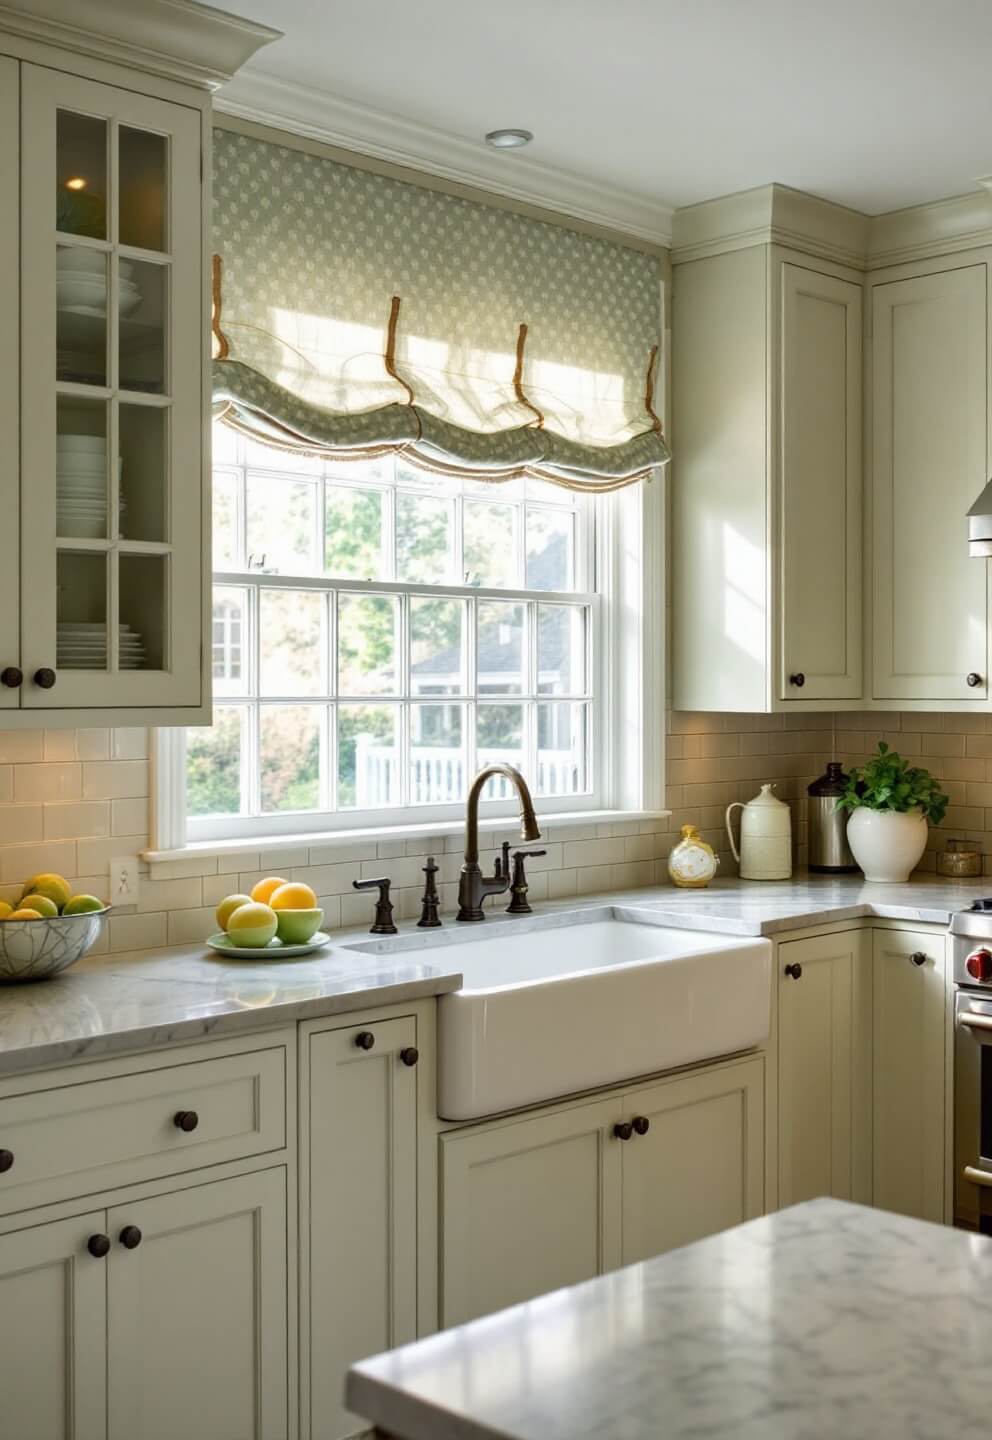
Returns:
<point x="383" y="923"/>
<point x="520" y="905"/>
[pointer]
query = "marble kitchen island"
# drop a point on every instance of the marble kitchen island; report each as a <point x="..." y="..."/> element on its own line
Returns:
<point x="825" y="1320"/>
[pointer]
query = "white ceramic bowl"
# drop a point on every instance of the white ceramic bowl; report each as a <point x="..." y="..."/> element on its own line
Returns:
<point x="39" y="949"/>
<point x="81" y="262"/>
<point x="81" y="442"/>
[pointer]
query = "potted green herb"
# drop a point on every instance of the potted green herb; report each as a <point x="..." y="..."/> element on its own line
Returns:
<point x="891" y="802"/>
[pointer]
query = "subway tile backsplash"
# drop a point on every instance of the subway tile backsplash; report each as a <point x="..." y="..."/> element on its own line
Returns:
<point x="70" y="800"/>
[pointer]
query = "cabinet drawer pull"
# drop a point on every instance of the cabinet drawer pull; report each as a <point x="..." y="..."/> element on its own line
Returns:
<point x="623" y="1129"/>
<point x="365" y="1039"/>
<point x="98" y="1246"/>
<point x="918" y="957"/>
<point x="799" y="679"/>
<point x="974" y="679"/>
<point x="11" y="677"/>
<point x="642" y="1124"/>
<point x="794" y="971"/>
<point x="6" y="1161"/>
<point x="130" y="1237"/>
<point x="410" y="1055"/>
<point x="186" y="1120"/>
<point x="44" y="678"/>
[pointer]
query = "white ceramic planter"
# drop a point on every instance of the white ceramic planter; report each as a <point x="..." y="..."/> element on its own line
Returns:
<point x="887" y="845"/>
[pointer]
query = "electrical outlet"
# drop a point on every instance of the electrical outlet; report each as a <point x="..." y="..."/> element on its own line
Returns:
<point x="124" y="880"/>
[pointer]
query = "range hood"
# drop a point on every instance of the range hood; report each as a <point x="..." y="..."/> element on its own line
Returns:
<point x="980" y="524"/>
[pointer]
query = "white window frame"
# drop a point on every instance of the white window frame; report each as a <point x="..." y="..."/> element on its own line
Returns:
<point x="628" y="740"/>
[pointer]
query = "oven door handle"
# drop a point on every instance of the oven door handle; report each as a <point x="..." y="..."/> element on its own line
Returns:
<point x="974" y="1021"/>
<point x="978" y="1177"/>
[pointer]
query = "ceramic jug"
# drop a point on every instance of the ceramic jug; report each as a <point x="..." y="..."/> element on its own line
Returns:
<point x="766" y="837"/>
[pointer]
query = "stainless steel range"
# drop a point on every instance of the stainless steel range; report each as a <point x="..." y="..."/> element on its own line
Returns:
<point x="972" y="932"/>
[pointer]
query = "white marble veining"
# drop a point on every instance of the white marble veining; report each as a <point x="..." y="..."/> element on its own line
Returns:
<point x="124" y="1002"/>
<point x="827" y="1321"/>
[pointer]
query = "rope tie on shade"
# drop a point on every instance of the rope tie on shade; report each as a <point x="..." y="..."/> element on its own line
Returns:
<point x="518" y="377"/>
<point x="220" y="348"/>
<point x="649" y="385"/>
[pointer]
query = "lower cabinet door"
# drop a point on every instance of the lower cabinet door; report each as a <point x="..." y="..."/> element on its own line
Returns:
<point x="824" y="1068"/>
<point x="196" y="1312"/>
<point x="53" y="1312"/>
<point x="359" y="1261"/>
<point x="908" y="1079"/>
<point x="694" y="1163"/>
<point x="528" y="1206"/>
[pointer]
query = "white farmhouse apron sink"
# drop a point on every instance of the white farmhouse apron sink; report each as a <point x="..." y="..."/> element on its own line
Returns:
<point x="576" y="1002"/>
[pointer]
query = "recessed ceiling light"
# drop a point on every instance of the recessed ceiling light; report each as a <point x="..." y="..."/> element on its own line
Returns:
<point x="508" y="139"/>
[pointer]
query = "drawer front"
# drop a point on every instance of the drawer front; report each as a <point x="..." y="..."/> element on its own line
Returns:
<point x="81" y="1138"/>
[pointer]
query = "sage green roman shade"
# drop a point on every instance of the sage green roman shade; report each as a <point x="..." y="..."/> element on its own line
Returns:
<point x="355" y="314"/>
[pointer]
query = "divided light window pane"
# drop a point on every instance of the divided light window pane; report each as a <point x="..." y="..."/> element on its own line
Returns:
<point x="363" y="658"/>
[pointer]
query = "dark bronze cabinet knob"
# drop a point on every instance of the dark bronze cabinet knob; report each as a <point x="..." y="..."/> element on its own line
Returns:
<point x="641" y="1124"/>
<point x="410" y="1055"/>
<point x="974" y="679"/>
<point x="623" y="1129"/>
<point x="98" y="1246"/>
<point x="799" y="679"/>
<point x="794" y="972"/>
<point x="11" y="677"/>
<point x="6" y="1161"/>
<point x="44" y="678"/>
<point x="918" y="957"/>
<point x="186" y="1120"/>
<point x="130" y="1237"/>
<point x="365" y="1039"/>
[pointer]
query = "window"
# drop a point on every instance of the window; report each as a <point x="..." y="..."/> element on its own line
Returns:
<point x="380" y="633"/>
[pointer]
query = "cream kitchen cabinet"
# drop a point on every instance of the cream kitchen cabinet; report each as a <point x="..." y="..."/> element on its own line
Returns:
<point x="151" y="1318"/>
<point x="909" y="1038"/>
<point x="359" y="1205"/>
<point x="103" y="245"/>
<point x="824" y="1067"/>
<point x="546" y="1199"/>
<point x="766" y="484"/>
<point x="929" y="449"/>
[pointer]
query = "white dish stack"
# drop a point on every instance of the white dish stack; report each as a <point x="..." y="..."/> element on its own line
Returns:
<point x="81" y="646"/>
<point x="81" y="485"/>
<point x="81" y="283"/>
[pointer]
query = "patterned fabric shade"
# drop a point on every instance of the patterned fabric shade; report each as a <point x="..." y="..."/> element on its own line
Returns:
<point x="360" y="314"/>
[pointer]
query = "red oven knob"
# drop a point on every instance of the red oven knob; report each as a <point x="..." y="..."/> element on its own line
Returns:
<point x="979" y="965"/>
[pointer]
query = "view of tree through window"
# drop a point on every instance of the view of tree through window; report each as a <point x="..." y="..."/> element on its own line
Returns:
<point x="379" y="632"/>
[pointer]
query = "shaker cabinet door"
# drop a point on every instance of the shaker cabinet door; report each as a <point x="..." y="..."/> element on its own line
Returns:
<point x="821" y="505"/>
<point x="111" y="396"/>
<point x="930" y="462"/>
<point x="53" y="1332"/>
<point x="10" y="649"/>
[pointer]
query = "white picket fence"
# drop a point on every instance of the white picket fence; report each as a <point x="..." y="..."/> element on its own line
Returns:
<point x="437" y="776"/>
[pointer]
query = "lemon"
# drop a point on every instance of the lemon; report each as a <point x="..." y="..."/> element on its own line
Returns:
<point x="24" y="915"/>
<point x="293" y="897"/>
<point x="82" y="905"/>
<point x="5" y="910"/>
<point x="252" y="926"/>
<point x="227" y="907"/>
<point x="41" y="903"/>
<point x="264" y="889"/>
<point x="56" y="887"/>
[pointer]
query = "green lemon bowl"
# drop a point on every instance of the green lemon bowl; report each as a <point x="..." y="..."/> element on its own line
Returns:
<point x="297" y="927"/>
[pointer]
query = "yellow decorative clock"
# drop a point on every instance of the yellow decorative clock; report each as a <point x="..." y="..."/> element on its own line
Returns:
<point x="692" y="864"/>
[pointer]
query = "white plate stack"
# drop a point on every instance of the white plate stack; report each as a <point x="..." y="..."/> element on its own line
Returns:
<point x="81" y="485"/>
<point x="81" y="646"/>
<point x="81" y="283"/>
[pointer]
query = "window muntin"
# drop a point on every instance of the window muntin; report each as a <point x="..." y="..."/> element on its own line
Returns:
<point x="380" y="633"/>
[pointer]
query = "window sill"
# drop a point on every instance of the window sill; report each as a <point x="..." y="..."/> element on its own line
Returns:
<point x="551" y="828"/>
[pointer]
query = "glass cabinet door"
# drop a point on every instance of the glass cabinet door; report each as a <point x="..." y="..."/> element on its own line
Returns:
<point x="112" y="347"/>
<point x="10" y="649"/>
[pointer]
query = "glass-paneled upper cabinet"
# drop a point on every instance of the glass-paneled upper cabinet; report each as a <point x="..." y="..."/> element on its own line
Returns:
<point x="112" y="394"/>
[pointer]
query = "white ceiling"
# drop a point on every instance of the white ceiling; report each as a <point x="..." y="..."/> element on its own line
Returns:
<point x="876" y="104"/>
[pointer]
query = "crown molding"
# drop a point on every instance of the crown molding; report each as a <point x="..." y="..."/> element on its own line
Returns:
<point x="924" y="231"/>
<point x="770" y="215"/>
<point x="175" y="39"/>
<point x="268" y="100"/>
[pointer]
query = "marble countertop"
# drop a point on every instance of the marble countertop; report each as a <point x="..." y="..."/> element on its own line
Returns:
<point x="826" y="1320"/>
<point x="124" y="1002"/>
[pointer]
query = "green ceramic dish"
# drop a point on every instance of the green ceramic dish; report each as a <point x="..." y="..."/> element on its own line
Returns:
<point x="297" y="927"/>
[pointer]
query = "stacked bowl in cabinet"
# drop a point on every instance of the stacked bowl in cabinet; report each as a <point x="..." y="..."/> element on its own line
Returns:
<point x="83" y="646"/>
<point x="81" y="283"/>
<point x="81" y="486"/>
